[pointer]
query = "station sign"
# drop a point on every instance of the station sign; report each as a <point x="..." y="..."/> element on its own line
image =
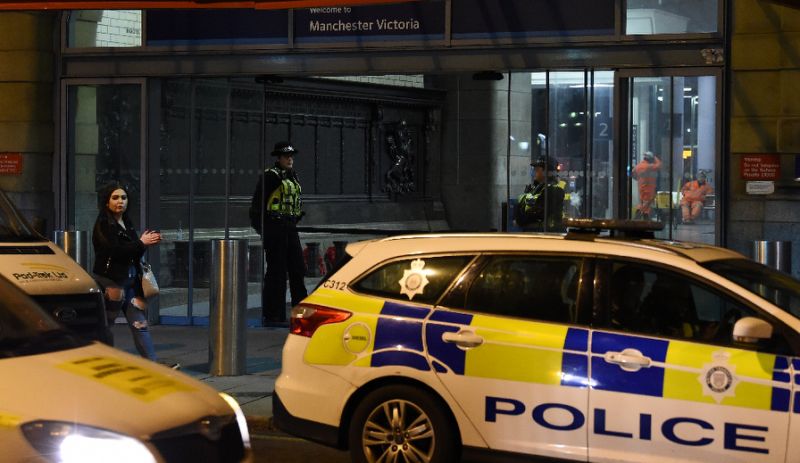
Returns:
<point x="418" y="21"/>
<point x="762" y="167"/>
<point x="422" y="23"/>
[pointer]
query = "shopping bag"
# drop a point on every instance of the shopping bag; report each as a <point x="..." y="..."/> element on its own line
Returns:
<point x="149" y="283"/>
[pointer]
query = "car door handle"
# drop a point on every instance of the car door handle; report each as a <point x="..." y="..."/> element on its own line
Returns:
<point x="464" y="339"/>
<point x="628" y="359"/>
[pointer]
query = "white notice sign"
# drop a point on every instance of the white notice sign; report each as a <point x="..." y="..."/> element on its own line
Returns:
<point x="760" y="188"/>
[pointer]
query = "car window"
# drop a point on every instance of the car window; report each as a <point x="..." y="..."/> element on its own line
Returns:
<point x="421" y="279"/>
<point x="25" y="329"/>
<point x="533" y="287"/>
<point x="652" y="301"/>
<point x="777" y="287"/>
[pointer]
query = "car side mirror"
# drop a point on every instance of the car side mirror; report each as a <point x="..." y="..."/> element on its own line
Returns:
<point x="751" y="330"/>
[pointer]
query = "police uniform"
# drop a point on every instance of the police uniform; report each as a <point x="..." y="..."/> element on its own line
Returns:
<point x="530" y="211"/>
<point x="275" y="209"/>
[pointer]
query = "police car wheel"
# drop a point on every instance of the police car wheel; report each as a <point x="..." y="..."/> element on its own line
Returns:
<point x="401" y="424"/>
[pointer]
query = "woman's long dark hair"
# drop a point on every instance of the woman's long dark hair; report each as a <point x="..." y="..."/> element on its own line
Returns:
<point x="104" y="195"/>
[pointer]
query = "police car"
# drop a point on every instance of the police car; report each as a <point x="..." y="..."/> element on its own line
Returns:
<point x="67" y="400"/>
<point x="578" y="347"/>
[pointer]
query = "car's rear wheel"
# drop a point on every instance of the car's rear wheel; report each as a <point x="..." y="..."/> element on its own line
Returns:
<point x="401" y="424"/>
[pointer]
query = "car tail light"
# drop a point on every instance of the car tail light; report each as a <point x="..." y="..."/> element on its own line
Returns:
<point x="306" y="318"/>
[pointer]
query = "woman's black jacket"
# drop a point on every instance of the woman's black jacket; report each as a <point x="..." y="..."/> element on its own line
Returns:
<point x="116" y="249"/>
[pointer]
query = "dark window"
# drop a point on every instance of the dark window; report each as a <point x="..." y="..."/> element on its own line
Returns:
<point x="777" y="287"/>
<point x="652" y="301"/>
<point x="540" y="288"/>
<point x="418" y="280"/>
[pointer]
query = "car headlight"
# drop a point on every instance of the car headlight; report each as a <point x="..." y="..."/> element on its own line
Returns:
<point x="64" y="442"/>
<point x="240" y="419"/>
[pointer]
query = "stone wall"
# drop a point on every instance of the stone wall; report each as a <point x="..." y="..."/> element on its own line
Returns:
<point x="26" y="110"/>
<point x="475" y="174"/>
<point x="765" y="119"/>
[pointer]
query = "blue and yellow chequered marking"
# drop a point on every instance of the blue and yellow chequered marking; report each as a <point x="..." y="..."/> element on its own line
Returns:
<point x="796" y="369"/>
<point x="755" y="372"/>
<point x="326" y="347"/>
<point x="512" y="350"/>
<point x="544" y="353"/>
<point x="677" y="372"/>
<point x="610" y="377"/>
<point x="396" y="332"/>
<point x="398" y="337"/>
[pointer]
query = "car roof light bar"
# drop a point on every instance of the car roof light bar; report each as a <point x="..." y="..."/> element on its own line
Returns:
<point x="588" y="229"/>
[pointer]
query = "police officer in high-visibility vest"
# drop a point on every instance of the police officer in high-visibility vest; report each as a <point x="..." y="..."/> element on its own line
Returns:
<point x="275" y="209"/>
<point x="541" y="206"/>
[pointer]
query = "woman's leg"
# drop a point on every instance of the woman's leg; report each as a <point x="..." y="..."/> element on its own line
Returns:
<point x="137" y="322"/>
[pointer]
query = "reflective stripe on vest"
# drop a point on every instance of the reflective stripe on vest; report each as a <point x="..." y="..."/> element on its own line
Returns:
<point x="286" y="198"/>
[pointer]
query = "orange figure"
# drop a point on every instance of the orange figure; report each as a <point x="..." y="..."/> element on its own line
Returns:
<point x="692" y="196"/>
<point x="646" y="172"/>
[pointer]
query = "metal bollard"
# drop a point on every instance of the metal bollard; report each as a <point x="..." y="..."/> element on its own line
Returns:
<point x="339" y="246"/>
<point x="775" y="254"/>
<point x="74" y="243"/>
<point x="312" y="258"/>
<point x="227" y="341"/>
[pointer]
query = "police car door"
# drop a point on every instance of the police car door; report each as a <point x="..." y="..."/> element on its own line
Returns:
<point x="669" y="383"/>
<point x="507" y="344"/>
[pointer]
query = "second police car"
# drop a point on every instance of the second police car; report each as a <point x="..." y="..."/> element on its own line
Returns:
<point x="578" y="347"/>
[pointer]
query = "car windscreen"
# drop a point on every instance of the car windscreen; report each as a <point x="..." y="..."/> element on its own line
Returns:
<point x="13" y="226"/>
<point x="26" y="329"/>
<point x="777" y="287"/>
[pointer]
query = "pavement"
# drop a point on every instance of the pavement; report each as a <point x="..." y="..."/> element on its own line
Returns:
<point x="188" y="345"/>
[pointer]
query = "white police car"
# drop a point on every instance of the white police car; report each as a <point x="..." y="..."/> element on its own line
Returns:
<point x="64" y="399"/>
<point x="579" y="347"/>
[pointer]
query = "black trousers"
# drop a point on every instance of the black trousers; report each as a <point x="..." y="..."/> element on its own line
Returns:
<point x="284" y="254"/>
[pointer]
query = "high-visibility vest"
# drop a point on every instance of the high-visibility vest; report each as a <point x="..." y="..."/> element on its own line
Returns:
<point x="285" y="200"/>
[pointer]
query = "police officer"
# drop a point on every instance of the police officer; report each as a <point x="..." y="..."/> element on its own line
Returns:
<point x="276" y="205"/>
<point x="545" y="196"/>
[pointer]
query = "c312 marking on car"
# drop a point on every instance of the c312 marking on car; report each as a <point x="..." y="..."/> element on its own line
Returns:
<point x="134" y="380"/>
<point x="734" y="435"/>
<point x="333" y="284"/>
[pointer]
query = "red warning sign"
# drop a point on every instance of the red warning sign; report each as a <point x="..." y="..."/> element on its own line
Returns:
<point x="761" y="167"/>
<point x="10" y="163"/>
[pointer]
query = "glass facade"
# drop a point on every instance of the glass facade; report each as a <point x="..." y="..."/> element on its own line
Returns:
<point x="648" y="17"/>
<point x="572" y="124"/>
<point x="435" y="148"/>
<point x="672" y="143"/>
<point x="104" y="28"/>
<point x="103" y="145"/>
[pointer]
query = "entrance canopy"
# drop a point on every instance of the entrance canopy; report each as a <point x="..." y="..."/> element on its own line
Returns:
<point x="185" y="4"/>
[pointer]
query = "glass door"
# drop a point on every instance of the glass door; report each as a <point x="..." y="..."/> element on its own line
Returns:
<point x="102" y="143"/>
<point x="672" y="153"/>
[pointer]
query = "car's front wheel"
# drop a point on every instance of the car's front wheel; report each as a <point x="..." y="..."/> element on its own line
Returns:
<point x="401" y="424"/>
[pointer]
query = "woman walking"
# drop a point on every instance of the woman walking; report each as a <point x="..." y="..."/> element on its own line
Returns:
<point x="118" y="252"/>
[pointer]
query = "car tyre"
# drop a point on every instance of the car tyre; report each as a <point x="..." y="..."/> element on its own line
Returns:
<point x="404" y="424"/>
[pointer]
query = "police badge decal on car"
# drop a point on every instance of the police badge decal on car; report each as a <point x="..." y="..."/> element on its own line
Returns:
<point x="414" y="279"/>
<point x="717" y="377"/>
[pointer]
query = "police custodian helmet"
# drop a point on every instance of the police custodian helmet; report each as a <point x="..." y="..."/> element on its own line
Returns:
<point x="549" y="164"/>
<point x="283" y="148"/>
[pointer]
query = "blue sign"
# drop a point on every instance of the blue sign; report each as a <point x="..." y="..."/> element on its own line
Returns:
<point x="493" y="19"/>
<point x="414" y="21"/>
<point x="217" y="27"/>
